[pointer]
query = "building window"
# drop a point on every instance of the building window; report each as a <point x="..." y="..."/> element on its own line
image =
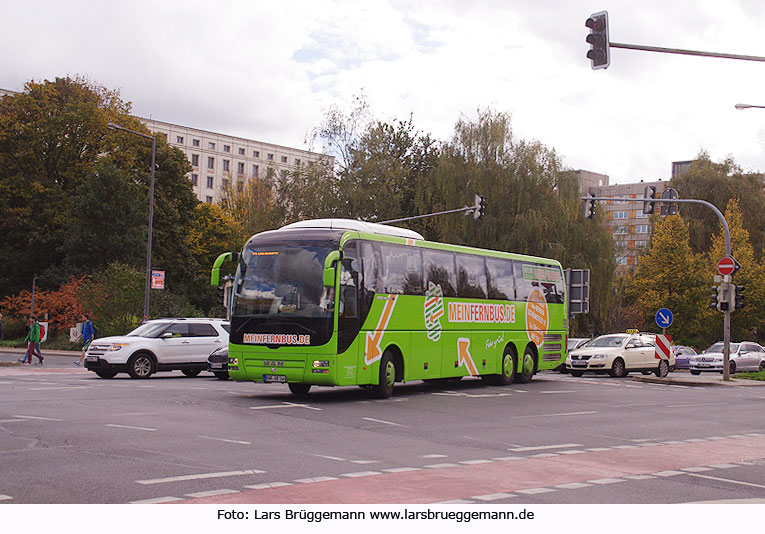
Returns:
<point x="195" y="142"/>
<point x="284" y="159"/>
<point x="240" y="167"/>
<point x="210" y="162"/>
<point x="179" y="139"/>
<point x="641" y="215"/>
<point x="255" y="170"/>
<point x="621" y="215"/>
<point x="195" y="160"/>
<point x="226" y="148"/>
<point x="194" y="179"/>
<point x="621" y="230"/>
<point x="226" y="165"/>
<point x="641" y="244"/>
<point x="622" y="260"/>
<point x="642" y="229"/>
<point x="208" y="200"/>
<point x="209" y="182"/>
<point x="241" y="152"/>
<point x="297" y="161"/>
<point x="256" y="153"/>
<point x="211" y="146"/>
<point x="270" y="157"/>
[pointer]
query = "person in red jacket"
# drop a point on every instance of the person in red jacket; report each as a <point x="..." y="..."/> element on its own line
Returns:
<point x="32" y="339"/>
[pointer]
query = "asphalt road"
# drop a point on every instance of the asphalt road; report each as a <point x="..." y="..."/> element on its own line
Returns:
<point x="67" y="436"/>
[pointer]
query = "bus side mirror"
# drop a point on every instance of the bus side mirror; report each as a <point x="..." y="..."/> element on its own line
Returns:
<point x="329" y="268"/>
<point x="220" y="260"/>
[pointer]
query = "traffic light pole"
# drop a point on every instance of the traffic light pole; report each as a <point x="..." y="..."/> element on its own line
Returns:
<point x="726" y="230"/>
<point x="685" y="52"/>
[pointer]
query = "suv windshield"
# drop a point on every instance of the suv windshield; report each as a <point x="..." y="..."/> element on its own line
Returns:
<point x="150" y="329"/>
<point x="607" y="341"/>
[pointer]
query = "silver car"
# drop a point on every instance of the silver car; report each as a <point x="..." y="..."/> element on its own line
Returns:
<point x="744" y="356"/>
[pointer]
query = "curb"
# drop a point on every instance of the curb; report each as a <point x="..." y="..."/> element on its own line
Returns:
<point x="697" y="383"/>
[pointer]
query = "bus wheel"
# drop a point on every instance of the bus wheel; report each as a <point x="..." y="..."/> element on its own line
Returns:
<point x="299" y="389"/>
<point x="527" y="367"/>
<point x="387" y="377"/>
<point x="507" y="371"/>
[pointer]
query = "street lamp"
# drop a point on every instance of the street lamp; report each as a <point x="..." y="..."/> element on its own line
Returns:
<point x="113" y="126"/>
<point x="747" y="106"/>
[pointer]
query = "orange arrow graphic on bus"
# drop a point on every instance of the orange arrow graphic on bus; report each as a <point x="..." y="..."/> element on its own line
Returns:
<point x="373" y="352"/>
<point x="463" y="344"/>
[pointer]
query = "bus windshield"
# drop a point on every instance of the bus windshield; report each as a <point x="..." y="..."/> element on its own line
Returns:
<point x="283" y="280"/>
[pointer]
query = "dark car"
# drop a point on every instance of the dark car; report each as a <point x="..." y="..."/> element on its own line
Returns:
<point x="217" y="363"/>
<point x="682" y="356"/>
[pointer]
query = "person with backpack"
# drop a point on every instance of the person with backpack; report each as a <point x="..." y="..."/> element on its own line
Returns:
<point x="88" y="333"/>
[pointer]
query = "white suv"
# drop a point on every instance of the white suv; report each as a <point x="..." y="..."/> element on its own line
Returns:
<point x="158" y="345"/>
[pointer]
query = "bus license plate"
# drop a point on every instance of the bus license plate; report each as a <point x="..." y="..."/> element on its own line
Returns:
<point x="274" y="378"/>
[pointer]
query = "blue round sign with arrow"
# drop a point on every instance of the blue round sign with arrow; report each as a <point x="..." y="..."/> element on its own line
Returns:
<point x="664" y="318"/>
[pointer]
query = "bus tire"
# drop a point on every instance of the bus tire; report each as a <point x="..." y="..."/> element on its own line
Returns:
<point x="298" y="388"/>
<point x="506" y="375"/>
<point x="528" y="366"/>
<point x="387" y="378"/>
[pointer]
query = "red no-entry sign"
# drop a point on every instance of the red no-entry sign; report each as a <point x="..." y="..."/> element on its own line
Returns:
<point x="726" y="266"/>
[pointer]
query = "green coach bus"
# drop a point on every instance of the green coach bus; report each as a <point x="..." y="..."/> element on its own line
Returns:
<point x="335" y="302"/>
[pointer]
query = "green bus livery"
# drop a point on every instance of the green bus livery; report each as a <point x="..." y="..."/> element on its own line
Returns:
<point x="334" y="302"/>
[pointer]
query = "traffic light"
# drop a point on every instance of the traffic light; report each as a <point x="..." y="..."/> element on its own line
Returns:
<point x="599" y="55"/>
<point x="668" y="208"/>
<point x="723" y="302"/>
<point x="589" y="206"/>
<point x="738" y="297"/>
<point x="480" y="207"/>
<point x="713" y="298"/>
<point x="650" y="192"/>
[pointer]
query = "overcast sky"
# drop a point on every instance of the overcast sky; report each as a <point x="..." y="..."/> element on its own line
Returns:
<point x="268" y="70"/>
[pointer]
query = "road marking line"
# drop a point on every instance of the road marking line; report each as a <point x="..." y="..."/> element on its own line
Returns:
<point x="598" y="449"/>
<point x="572" y="452"/>
<point x="722" y="466"/>
<point x="157" y="500"/>
<point x="37" y="418"/>
<point x="5" y="497"/>
<point x="402" y="469"/>
<point x="383" y="422"/>
<point x="737" y="436"/>
<point x="508" y="458"/>
<point x="604" y="481"/>
<point x="740" y="482"/>
<point x="200" y="476"/>
<point x="475" y="462"/>
<point x="60" y="388"/>
<point x="569" y="391"/>
<point x="557" y="414"/>
<point x="286" y="405"/>
<point x="695" y="440"/>
<point x="268" y="485"/>
<point x="535" y="491"/>
<point x="493" y="496"/>
<point x="626" y="447"/>
<point x="228" y="440"/>
<point x="695" y="469"/>
<point x="434" y="456"/>
<point x="573" y="485"/>
<point x="544" y="455"/>
<point x="364" y="462"/>
<point x="315" y="479"/>
<point x="361" y="474"/>
<point x="328" y="457"/>
<point x="545" y="447"/>
<point x="211" y="493"/>
<point x="673" y="442"/>
<point x="669" y="473"/>
<point x="455" y="501"/>
<point x="12" y="420"/>
<point x="133" y="427"/>
<point x="639" y="477"/>
<point x="439" y="466"/>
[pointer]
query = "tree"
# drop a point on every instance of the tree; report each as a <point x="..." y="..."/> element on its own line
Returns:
<point x="114" y="299"/>
<point x="748" y="323"/>
<point x="670" y="275"/>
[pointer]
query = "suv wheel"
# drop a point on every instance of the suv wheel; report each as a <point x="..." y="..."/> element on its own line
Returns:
<point x="140" y="365"/>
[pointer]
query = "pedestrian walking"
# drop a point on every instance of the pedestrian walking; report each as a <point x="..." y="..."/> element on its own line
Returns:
<point x="32" y="339"/>
<point x="87" y="336"/>
<point x="2" y="326"/>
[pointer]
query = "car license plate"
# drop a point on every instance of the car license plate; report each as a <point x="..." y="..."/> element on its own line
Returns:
<point x="274" y="378"/>
<point x="579" y="363"/>
<point x="703" y="365"/>
<point x="92" y="358"/>
<point x="216" y="365"/>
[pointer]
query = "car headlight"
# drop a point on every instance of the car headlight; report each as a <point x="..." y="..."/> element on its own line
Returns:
<point x="118" y="346"/>
<point x="599" y="357"/>
<point x="220" y="351"/>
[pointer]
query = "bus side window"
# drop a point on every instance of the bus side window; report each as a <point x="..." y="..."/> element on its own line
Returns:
<point x="369" y="275"/>
<point x="401" y="271"/>
<point x="349" y="278"/>
<point x="499" y="274"/>
<point x="439" y="270"/>
<point x="471" y="276"/>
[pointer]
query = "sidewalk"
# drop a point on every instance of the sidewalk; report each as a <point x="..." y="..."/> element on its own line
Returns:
<point x="684" y="378"/>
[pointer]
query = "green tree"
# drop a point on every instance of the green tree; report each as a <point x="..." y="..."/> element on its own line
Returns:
<point x="748" y="323"/>
<point x="114" y="299"/>
<point x="670" y="275"/>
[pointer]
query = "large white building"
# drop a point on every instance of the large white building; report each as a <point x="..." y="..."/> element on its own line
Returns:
<point x="217" y="157"/>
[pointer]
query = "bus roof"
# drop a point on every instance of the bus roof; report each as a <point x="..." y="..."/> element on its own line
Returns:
<point x="359" y="226"/>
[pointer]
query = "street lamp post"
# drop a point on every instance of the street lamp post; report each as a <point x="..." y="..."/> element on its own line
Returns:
<point x="747" y="106"/>
<point x="151" y="213"/>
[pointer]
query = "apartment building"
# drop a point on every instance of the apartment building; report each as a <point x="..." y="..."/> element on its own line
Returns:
<point x="218" y="158"/>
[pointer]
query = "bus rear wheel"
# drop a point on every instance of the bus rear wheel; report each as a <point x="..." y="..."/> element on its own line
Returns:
<point x="506" y="375"/>
<point x="299" y="388"/>
<point x="387" y="377"/>
<point x="528" y="365"/>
